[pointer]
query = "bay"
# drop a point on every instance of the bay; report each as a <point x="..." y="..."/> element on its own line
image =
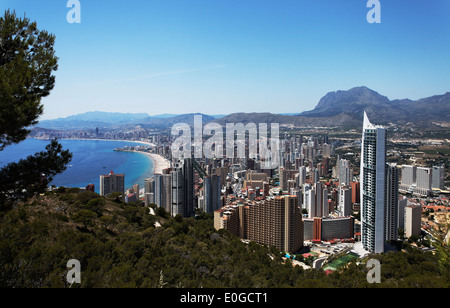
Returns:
<point x="91" y="158"/>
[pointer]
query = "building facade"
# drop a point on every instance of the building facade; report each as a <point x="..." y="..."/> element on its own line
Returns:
<point x="211" y="193"/>
<point x="372" y="173"/>
<point x="328" y="228"/>
<point x="111" y="183"/>
<point x="413" y="217"/>
<point x="344" y="204"/>
<point x="391" y="206"/>
<point x="438" y="177"/>
<point x="273" y="222"/>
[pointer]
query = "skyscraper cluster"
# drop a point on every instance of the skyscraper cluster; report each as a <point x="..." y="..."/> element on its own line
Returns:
<point x="173" y="190"/>
<point x="421" y="180"/>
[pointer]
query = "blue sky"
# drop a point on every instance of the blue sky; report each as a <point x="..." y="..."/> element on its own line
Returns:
<point x="224" y="56"/>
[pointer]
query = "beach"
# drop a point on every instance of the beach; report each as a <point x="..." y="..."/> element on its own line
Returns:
<point x="159" y="162"/>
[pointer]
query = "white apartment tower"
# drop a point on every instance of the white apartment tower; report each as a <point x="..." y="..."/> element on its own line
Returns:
<point x="373" y="181"/>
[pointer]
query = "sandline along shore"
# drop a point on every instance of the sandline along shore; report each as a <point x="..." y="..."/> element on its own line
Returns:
<point x="159" y="162"/>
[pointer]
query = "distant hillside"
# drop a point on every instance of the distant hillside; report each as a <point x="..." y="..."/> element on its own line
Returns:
<point x="341" y="120"/>
<point x="346" y="108"/>
<point x="108" y="117"/>
<point x="152" y="122"/>
<point x="350" y="102"/>
<point x="335" y="109"/>
<point x="92" y="120"/>
<point x="382" y="110"/>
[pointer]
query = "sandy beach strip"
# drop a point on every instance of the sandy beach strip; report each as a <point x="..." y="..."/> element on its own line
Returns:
<point x="117" y="140"/>
<point x="159" y="162"/>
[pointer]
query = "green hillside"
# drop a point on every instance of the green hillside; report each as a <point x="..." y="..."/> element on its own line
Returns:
<point x="118" y="245"/>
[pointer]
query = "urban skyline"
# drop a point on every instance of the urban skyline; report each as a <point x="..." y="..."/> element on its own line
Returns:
<point x="246" y="198"/>
<point x="226" y="185"/>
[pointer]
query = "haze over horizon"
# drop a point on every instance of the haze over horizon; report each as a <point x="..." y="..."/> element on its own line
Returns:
<point x="224" y="57"/>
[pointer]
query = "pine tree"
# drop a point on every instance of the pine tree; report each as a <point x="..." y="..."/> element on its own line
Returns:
<point x="27" y="61"/>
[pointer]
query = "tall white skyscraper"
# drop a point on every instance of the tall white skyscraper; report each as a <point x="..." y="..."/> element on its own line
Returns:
<point x="373" y="181"/>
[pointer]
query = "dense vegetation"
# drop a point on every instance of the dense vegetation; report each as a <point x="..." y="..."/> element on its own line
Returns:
<point x="27" y="62"/>
<point x="118" y="245"/>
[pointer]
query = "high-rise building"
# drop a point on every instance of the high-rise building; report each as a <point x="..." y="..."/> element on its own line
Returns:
<point x="177" y="192"/>
<point x="423" y="177"/>
<point x="402" y="203"/>
<point x="274" y="222"/>
<point x="149" y="191"/>
<point x="212" y="193"/>
<point x="391" y="206"/>
<point x="283" y="179"/>
<point x="157" y="179"/>
<point x="327" y="150"/>
<point x="166" y="192"/>
<point x="373" y="182"/>
<point x="413" y="218"/>
<point x="111" y="183"/>
<point x="355" y="192"/>
<point x="408" y="175"/>
<point x="344" y="204"/>
<point x="149" y="198"/>
<point x="345" y="172"/>
<point x="438" y="175"/>
<point x="301" y="176"/>
<point x="189" y="187"/>
<point x="316" y="201"/>
<point x="149" y="185"/>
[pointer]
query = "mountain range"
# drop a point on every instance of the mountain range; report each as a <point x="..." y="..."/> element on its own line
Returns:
<point x="335" y="109"/>
<point x="382" y="110"/>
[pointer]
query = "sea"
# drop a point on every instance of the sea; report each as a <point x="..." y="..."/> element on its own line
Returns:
<point x="91" y="158"/>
